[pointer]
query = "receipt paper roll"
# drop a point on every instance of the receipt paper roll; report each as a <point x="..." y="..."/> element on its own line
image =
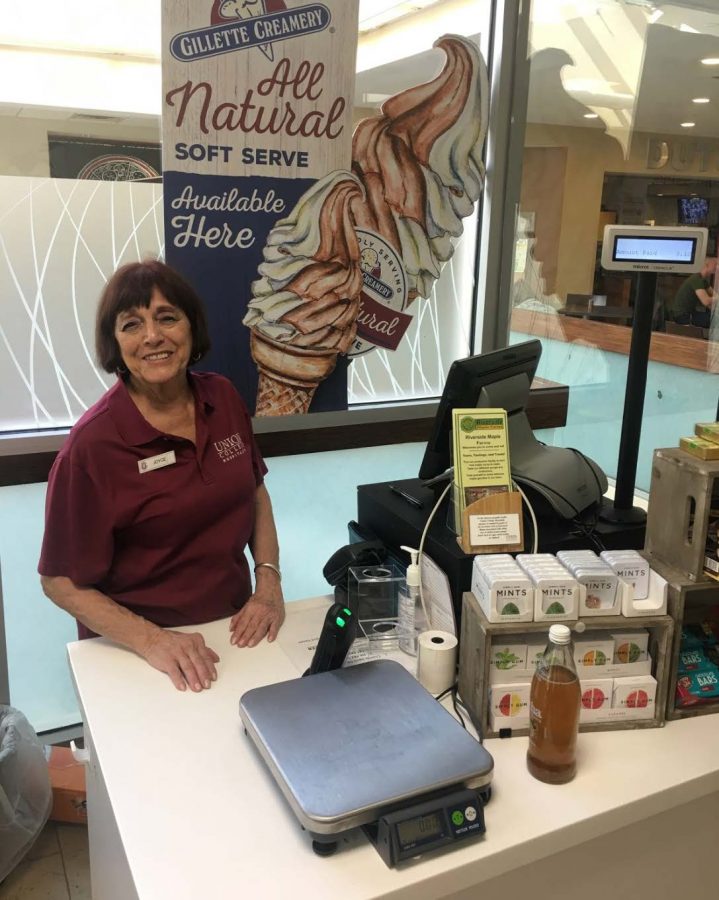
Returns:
<point x="436" y="660"/>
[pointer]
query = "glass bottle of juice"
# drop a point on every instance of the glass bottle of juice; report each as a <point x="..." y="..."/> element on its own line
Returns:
<point x="554" y="704"/>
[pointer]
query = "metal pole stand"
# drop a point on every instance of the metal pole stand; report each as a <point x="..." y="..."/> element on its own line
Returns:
<point x="623" y="510"/>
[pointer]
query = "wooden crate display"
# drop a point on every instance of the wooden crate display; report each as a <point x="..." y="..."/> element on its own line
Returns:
<point x="679" y="510"/>
<point x="478" y="634"/>
<point x="689" y="602"/>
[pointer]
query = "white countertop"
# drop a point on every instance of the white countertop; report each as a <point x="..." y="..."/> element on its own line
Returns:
<point x="200" y="816"/>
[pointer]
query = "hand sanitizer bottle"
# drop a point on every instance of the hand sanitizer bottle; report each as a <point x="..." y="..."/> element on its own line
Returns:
<point x="412" y="620"/>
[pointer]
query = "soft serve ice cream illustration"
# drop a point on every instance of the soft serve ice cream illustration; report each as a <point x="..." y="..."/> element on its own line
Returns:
<point x="417" y="173"/>
<point x="305" y="304"/>
<point x="420" y="162"/>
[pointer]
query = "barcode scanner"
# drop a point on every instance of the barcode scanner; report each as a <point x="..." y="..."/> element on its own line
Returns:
<point x="338" y="632"/>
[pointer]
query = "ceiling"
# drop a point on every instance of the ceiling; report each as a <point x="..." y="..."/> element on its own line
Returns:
<point x="635" y="64"/>
<point x="632" y="68"/>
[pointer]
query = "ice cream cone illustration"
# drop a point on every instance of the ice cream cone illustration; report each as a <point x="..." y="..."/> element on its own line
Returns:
<point x="420" y="162"/>
<point x="305" y="304"/>
<point x="224" y="10"/>
<point x="289" y="375"/>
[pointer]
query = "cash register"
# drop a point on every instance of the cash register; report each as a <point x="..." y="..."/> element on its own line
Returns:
<point x="564" y="486"/>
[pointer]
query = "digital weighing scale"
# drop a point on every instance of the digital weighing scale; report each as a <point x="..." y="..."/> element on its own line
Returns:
<point x="369" y="746"/>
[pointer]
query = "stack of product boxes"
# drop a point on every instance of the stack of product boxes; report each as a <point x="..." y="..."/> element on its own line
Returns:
<point x="698" y="672"/>
<point x="705" y="445"/>
<point x="614" y="667"/>
<point x="604" y="662"/>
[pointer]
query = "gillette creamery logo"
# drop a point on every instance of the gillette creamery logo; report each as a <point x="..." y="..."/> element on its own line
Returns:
<point x="243" y="24"/>
<point x="381" y="321"/>
<point x="230" y="447"/>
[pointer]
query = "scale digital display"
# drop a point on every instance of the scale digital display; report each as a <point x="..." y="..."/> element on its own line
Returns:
<point x="652" y="248"/>
<point x="422" y="828"/>
<point x="453" y="817"/>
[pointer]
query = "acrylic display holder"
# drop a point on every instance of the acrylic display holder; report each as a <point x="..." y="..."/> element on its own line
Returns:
<point x="373" y="595"/>
<point x="654" y="604"/>
<point x="482" y="520"/>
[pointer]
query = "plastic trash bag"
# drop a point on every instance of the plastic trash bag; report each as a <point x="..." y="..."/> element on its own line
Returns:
<point x="25" y="792"/>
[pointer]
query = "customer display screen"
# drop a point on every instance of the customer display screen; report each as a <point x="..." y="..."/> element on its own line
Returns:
<point x="646" y="249"/>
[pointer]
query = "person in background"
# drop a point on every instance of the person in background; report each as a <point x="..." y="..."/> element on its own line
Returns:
<point x="158" y="490"/>
<point x="693" y="302"/>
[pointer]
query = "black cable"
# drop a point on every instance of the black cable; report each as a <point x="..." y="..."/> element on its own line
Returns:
<point x="453" y="691"/>
<point x="456" y="708"/>
<point x="583" y="529"/>
<point x="586" y="530"/>
<point x="473" y="720"/>
<point x="556" y="493"/>
<point x="527" y="519"/>
<point x="591" y="469"/>
<point x="445" y="692"/>
<point x="590" y="528"/>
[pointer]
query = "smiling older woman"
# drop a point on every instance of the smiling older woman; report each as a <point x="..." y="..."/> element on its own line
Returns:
<point x="158" y="490"/>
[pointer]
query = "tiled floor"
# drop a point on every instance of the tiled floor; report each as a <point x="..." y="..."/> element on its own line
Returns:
<point x="56" y="868"/>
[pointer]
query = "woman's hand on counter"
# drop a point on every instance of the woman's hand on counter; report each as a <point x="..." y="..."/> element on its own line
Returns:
<point x="263" y="614"/>
<point x="185" y="658"/>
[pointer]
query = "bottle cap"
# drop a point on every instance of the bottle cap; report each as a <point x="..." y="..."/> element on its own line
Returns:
<point x="560" y="634"/>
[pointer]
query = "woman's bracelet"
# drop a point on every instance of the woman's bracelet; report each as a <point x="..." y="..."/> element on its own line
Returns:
<point x="272" y="566"/>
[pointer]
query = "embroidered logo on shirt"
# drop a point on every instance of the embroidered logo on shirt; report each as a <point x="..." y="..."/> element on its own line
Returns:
<point x="230" y="447"/>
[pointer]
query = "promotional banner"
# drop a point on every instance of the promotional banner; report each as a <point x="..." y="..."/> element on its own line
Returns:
<point x="256" y="127"/>
<point x="339" y="271"/>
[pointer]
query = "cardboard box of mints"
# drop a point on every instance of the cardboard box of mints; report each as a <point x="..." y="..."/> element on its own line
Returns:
<point x="709" y="431"/>
<point x="700" y="447"/>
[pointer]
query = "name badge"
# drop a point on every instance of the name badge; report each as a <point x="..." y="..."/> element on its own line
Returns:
<point x="156" y="462"/>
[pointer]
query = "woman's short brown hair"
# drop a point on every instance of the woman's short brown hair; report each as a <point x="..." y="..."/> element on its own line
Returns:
<point x="132" y="286"/>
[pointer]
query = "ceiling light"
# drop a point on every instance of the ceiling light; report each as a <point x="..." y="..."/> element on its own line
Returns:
<point x="591" y="115"/>
<point x="660" y="195"/>
<point x="701" y="100"/>
<point x="72" y="27"/>
<point x="688" y="124"/>
<point x="710" y="61"/>
<point x="79" y="82"/>
<point x="374" y="99"/>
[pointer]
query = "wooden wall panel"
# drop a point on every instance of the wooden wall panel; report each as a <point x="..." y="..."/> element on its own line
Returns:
<point x="673" y="350"/>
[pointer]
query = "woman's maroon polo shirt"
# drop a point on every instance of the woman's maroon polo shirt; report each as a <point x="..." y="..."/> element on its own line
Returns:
<point x="167" y="543"/>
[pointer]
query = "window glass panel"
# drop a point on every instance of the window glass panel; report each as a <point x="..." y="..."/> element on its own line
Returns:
<point x="61" y="239"/>
<point x="621" y="128"/>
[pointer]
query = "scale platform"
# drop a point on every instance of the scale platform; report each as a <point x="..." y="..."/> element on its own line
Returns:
<point x="349" y="746"/>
